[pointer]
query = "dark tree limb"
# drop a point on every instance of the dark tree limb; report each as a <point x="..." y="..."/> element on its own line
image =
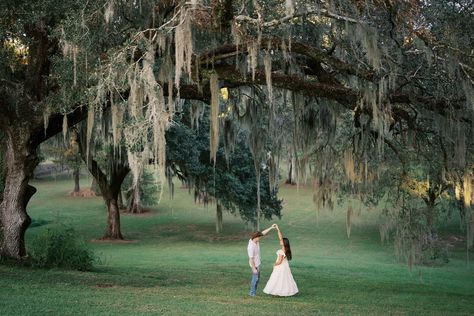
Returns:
<point x="231" y="50"/>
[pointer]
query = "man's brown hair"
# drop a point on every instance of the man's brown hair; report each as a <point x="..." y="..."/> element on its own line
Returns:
<point x="256" y="234"/>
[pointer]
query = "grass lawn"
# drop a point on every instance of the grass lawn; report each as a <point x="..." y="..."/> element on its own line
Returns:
<point x="173" y="263"/>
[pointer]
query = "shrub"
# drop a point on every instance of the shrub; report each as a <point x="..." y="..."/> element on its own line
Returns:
<point x="60" y="247"/>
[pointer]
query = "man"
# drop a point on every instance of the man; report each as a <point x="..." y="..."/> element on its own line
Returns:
<point x="253" y="250"/>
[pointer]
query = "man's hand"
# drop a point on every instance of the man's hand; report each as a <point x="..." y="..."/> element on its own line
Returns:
<point x="254" y="270"/>
<point x="267" y="230"/>
<point x="275" y="226"/>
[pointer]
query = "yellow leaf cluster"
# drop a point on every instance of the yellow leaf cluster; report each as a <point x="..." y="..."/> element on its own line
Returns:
<point x="19" y="49"/>
<point x="224" y="93"/>
<point x="415" y="187"/>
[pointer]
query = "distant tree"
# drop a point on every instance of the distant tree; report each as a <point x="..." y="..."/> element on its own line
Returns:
<point x="231" y="183"/>
<point x="146" y="193"/>
<point x="109" y="167"/>
<point x="73" y="160"/>
<point x="64" y="153"/>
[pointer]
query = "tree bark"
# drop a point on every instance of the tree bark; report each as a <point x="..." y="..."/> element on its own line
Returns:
<point x="255" y="226"/>
<point x="113" y="220"/>
<point x="429" y="214"/>
<point x="22" y="134"/>
<point x="429" y="217"/>
<point x="291" y="170"/>
<point x="135" y="205"/>
<point x="110" y="192"/>
<point x="2" y="183"/>
<point x="430" y="210"/>
<point x="95" y="187"/>
<point x="19" y="163"/>
<point x="77" y="174"/>
<point x="462" y="213"/>
<point x="121" y="205"/>
<point x="218" y="218"/>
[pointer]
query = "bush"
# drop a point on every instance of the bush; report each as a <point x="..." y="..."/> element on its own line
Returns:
<point x="60" y="247"/>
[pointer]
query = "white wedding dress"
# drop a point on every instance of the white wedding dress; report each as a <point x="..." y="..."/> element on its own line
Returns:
<point x="281" y="282"/>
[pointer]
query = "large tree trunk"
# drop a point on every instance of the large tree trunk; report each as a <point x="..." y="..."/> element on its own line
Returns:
<point x="218" y="218"/>
<point x="19" y="163"/>
<point x="21" y="137"/>
<point x="23" y="128"/>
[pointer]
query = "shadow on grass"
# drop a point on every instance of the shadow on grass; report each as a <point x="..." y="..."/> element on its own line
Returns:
<point x="198" y="233"/>
<point x="37" y="222"/>
<point x="101" y="277"/>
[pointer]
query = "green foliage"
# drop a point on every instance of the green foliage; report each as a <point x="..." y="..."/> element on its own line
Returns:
<point x="61" y="247"/>
<point x="148" y="186"/>
<point x="232" y="182"/>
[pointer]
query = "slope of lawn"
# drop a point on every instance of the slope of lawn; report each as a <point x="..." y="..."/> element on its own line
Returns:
<point x="173" y="263"/>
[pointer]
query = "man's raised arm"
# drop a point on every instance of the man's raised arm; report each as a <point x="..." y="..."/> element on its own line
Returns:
<point x="266" y="231"/>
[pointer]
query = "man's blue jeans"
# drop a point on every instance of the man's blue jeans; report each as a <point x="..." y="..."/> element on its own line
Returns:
<point x="254" y="282"/>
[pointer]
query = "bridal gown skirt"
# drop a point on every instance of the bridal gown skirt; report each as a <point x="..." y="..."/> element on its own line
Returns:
<point x="281" y="282"/>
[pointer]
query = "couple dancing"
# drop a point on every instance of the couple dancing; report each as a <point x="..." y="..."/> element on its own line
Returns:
<point x="281" y="282"/>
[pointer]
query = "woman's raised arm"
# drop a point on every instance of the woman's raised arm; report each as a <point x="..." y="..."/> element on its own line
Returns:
<point x="280" y="238"/>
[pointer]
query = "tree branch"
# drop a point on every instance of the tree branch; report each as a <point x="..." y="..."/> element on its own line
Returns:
<point x="233" y="78"/>
<point x="442" y="107"/>
<point x="301" y="13"/>
<point x="231" y="50"/>
<point x="55" y="125"/>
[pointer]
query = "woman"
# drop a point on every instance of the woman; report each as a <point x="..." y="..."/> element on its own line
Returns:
<point x="281" y="282"/>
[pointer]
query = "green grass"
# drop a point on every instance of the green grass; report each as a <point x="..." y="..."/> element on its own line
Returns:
<point x="174" y="264"/>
